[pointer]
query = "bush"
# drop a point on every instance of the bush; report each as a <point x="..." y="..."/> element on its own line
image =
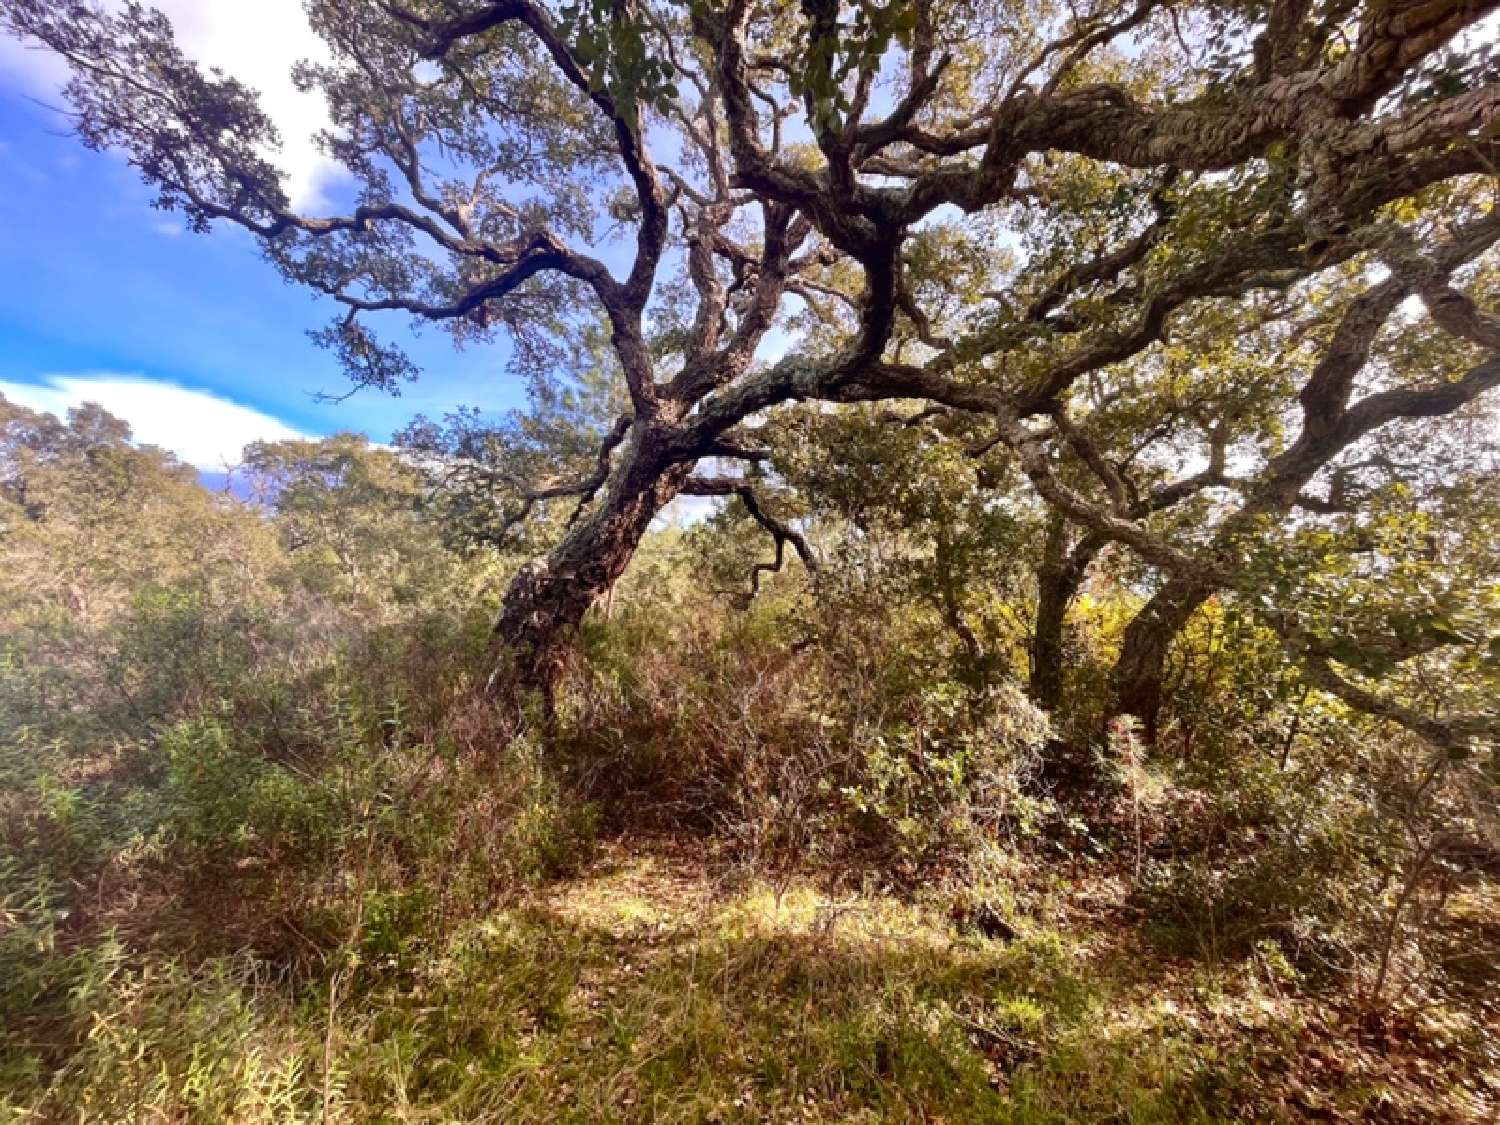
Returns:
<point x="130" y="1042"/>
<point x="793" y="750"/>
<point x="158" y="918"/>
<point x="231" y="801"/>
<point x="1257" y="853"/>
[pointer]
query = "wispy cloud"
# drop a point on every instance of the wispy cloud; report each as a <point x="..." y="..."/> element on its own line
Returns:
<point x="202" y="428"/>
<point x="258" y="43"/>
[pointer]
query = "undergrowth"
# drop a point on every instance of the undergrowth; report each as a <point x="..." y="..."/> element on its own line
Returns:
<point x="266" y="857"/>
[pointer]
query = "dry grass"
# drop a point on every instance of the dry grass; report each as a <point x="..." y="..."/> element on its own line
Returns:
<point x="658" y="987"/>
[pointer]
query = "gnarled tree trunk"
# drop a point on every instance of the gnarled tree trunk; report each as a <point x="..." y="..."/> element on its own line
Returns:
<point x="547" y="599"/>
<point x="1058" y="580"/>
<point x="1141" y="666"/>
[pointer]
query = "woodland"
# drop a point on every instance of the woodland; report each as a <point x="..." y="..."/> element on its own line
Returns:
<point x="991" y="610"/>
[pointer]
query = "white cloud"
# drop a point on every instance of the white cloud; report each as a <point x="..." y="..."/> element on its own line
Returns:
<point x="203" y="429"/>
<point x="258" y="43"/>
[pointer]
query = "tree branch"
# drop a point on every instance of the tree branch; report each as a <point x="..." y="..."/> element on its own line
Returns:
<point x="782" y="533"/>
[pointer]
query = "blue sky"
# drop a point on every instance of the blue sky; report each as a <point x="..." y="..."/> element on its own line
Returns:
<point x="194" y="339"/>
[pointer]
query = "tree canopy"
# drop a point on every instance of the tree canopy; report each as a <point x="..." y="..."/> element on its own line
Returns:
<point x="1192" y="270"/>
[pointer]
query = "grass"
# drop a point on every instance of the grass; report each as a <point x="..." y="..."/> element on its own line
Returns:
<point x="645" y="990"/>
<point x="646" y="994"/>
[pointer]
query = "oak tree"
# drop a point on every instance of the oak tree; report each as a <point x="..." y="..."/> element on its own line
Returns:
<point x="988" y="208"/>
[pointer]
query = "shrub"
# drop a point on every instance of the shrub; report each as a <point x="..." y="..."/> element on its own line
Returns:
<point x="790" y="749"/>
<point x="1256" y="853"/>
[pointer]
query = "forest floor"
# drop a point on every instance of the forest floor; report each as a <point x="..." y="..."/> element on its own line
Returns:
<point x="656" y="987"/>
<point x="661" y="982"/>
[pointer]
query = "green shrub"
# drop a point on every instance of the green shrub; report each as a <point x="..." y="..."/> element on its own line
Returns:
<point x="1258" y="853"/>
<point x="160" y="1042"/>
<point x="224" y="798"/>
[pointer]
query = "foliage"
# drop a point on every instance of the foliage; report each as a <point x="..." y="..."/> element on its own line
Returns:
<point x="304" y="873"/>
<point x="1120" y="379"/>
<point x="799" y="746"/>
<point x="1172" y="279"/>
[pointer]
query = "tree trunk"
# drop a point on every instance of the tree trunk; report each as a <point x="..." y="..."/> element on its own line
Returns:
<point x="1052" y="598"/>
<point x="975" y="670"/>
<point x="1057" y="580"/>
<point x="549" y="596"/>
<point x="1141" y="666"/>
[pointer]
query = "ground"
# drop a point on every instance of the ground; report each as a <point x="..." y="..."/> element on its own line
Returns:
<point x="657" y="986"/>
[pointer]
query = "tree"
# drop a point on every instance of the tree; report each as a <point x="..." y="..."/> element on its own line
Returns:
<point x="1403" y="369"/>
<point x="986" y="207"/>
<point x="353" y="518"/>
<point x="102" y="541"/>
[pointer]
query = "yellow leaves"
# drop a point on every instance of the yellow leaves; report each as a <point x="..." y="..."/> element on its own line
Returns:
<point x="1406" y="210"/>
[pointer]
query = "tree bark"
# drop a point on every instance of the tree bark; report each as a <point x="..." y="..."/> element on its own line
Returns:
<point x="547" y="599"/>
<point x="1058" y="580"/>
<point x="1140" y="667"/>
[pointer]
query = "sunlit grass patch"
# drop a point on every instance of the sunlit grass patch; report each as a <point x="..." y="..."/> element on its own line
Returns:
<point x="764" y="1004"/>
